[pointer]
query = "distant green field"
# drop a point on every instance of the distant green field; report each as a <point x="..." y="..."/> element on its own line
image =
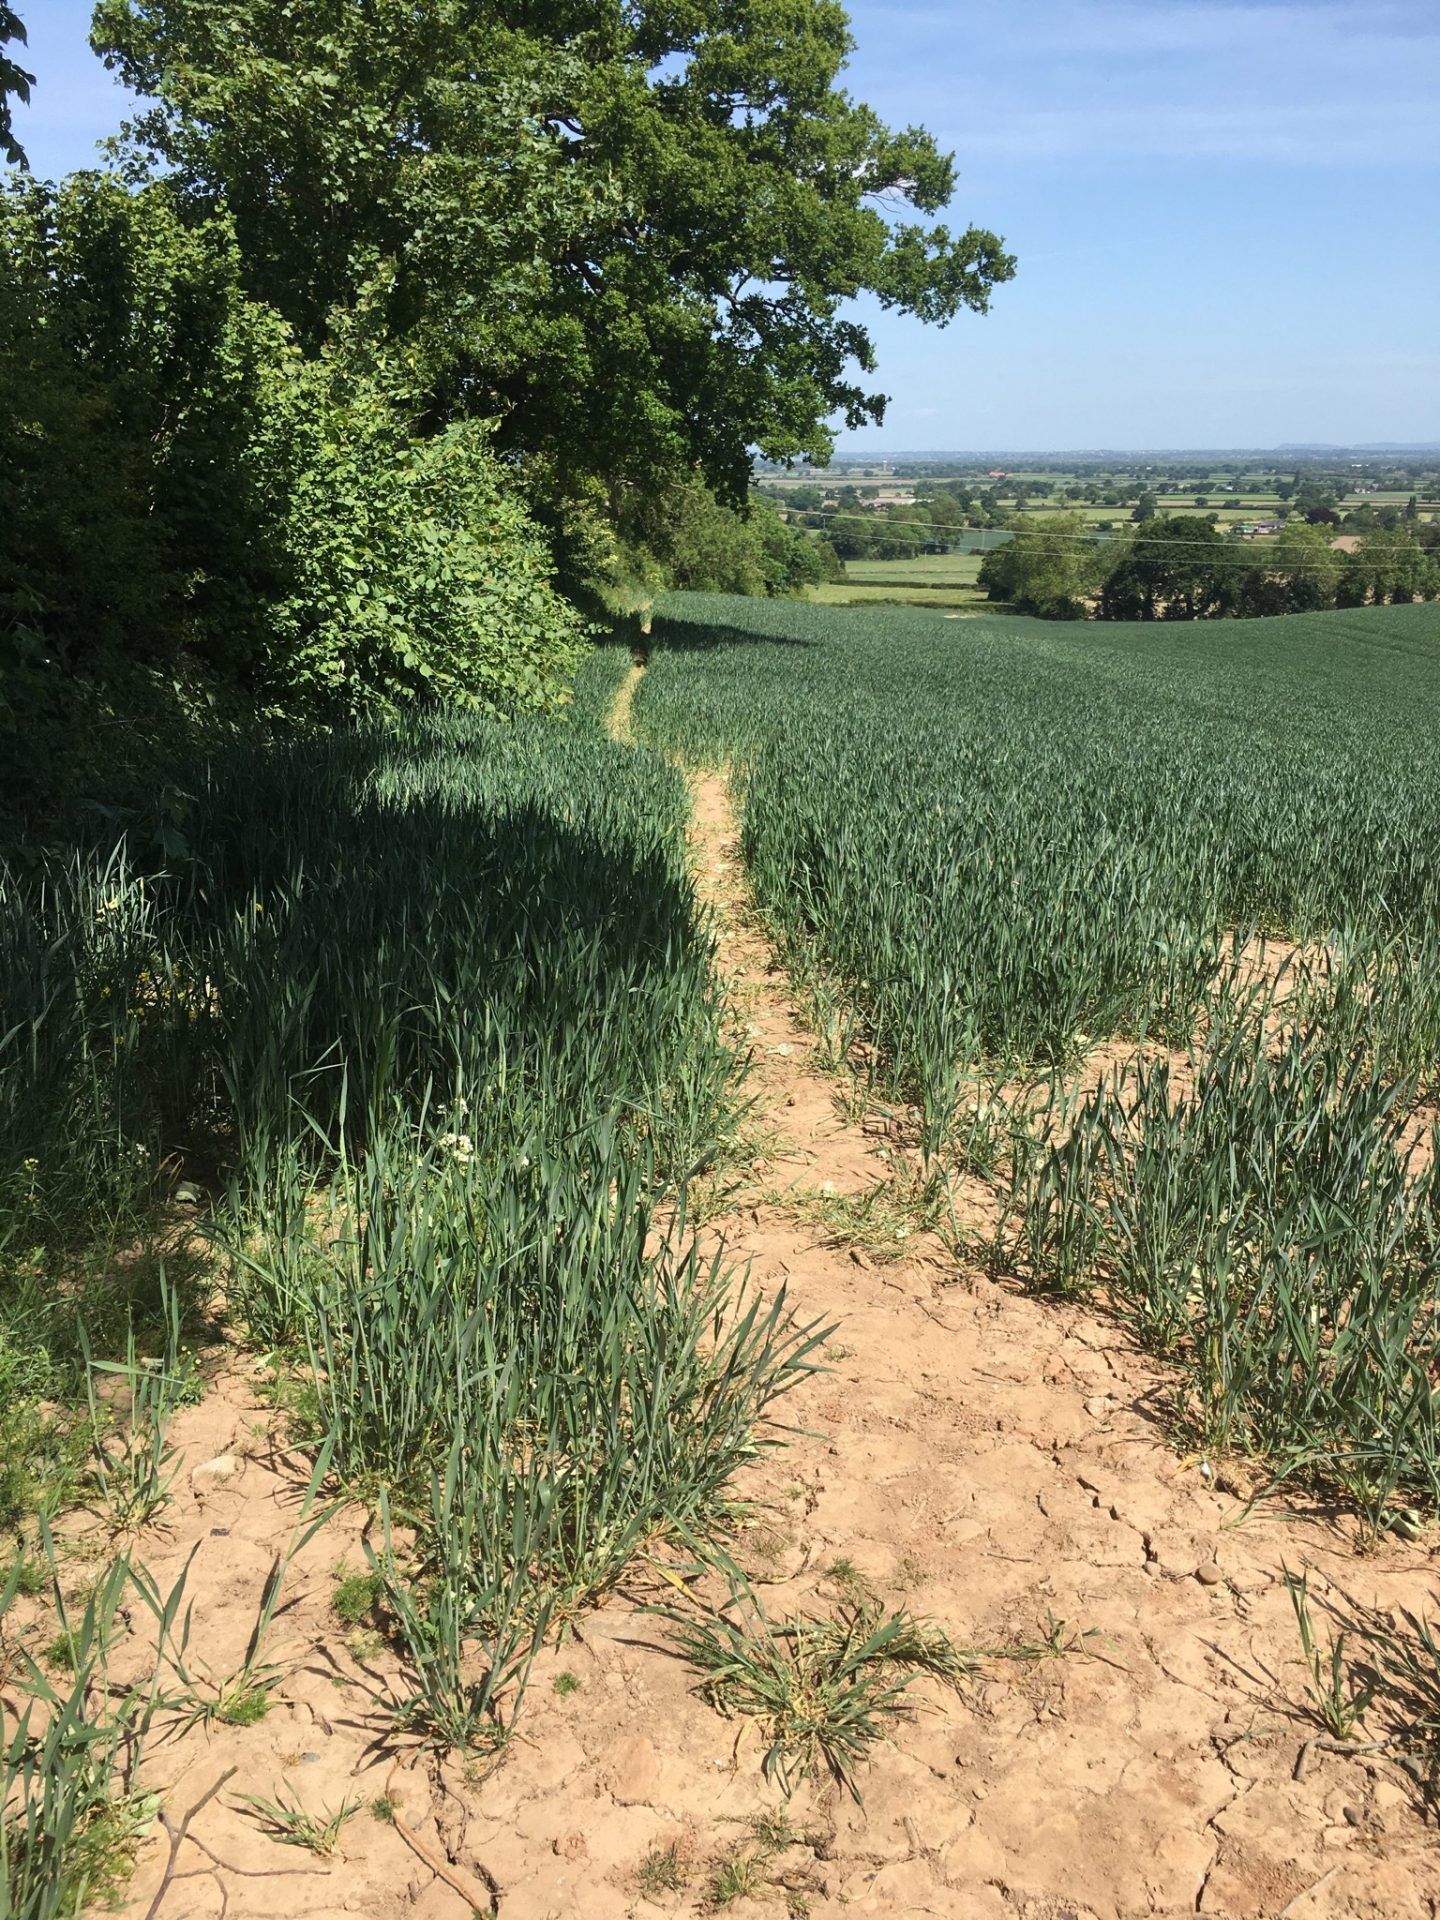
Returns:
<point x="937" y="580"/>
<point x="924" y="570"/>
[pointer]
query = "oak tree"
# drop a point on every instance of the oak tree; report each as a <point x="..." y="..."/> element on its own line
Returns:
<point x="627" y="230"/>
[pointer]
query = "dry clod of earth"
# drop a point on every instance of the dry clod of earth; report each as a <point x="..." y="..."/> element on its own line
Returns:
<point x="981" y="1458"/>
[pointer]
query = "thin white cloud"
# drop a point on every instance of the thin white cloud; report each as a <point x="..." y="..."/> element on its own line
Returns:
<point x="1135" y="28"/>
<point x="1300" y="82"/>
<point x="1210" y="29"/>
<point x="1321" y="134"/>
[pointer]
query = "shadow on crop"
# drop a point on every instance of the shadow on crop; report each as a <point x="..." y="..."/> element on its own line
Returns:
<point x="685" y="636"/>
<point x="351" y="927"/>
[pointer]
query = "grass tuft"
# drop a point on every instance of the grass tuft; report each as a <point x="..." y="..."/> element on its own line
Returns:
<point x="294" y="1825"/>
<point x="663" y="1870"/>
<point x="825" y="1690"/>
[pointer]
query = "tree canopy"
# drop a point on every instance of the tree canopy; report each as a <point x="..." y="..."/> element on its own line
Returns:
<point x="1308" y="565"/>
<point x="624" y="229"/>
<point x="402" y="329"/>
<point x="1049" y="568"/>
<point x="1173" y="564"/>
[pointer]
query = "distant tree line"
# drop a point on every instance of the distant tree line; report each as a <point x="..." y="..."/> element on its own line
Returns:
<point x="1180" y="567"/>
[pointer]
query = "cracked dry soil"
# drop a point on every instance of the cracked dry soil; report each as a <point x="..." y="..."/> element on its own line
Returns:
<point x="990" y="1462"/>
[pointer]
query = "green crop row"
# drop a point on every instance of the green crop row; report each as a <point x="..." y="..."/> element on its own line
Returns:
<point x="421" y="1028"/>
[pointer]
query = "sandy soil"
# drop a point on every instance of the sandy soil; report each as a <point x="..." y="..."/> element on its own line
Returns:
<point x="992" y="1463"/>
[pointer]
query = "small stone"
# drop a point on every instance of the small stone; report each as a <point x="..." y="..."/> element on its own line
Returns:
<point x="1097" y="1406"/>
<point x="633" y="1776"/>
<point x="1251" y="1579"/>
<point x="187" y="1194"/>
<point x="1209" y="1574"/>
<point x="309" y="1759"/>
<point x="216" y="1473"/>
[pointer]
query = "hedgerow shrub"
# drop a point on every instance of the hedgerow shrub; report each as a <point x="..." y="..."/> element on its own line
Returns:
<point x="180" y="488"/>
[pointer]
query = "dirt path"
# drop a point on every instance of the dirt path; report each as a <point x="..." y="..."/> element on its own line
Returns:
<point x="992" y="1462"/>
<point x="989" y="1462"/>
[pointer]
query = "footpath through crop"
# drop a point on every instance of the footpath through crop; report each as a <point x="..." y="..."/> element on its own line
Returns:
<point x="1117" y="1722"/>
<point x="995" y="1463"/>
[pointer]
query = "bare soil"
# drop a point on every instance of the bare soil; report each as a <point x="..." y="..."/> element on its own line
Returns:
<point x="995" y="1464"/>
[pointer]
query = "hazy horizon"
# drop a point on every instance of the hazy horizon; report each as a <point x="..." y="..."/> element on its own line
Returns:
<point x="1378" y="450"/>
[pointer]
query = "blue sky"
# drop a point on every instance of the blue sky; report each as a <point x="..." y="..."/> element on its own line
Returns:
<point x="1226" y="212"/>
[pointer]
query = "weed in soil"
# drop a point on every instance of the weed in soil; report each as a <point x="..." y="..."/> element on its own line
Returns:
<point x="294" y="1825"/>
<point x="825" y="1689"/>
<point x="663" y="1870"/>
<point x="1339" y="1695"/>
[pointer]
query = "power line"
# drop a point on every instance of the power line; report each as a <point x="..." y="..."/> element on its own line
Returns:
<point x="1097" y="538"/>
